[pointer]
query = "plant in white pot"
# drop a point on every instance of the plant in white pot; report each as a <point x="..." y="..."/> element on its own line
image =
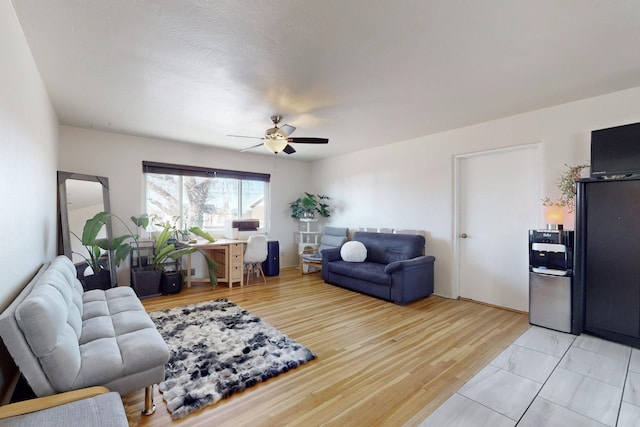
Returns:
<point x="309" y="205"/>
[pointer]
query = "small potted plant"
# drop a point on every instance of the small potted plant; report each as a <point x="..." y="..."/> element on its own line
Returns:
<point x="567" y="186"/>
<point x="309" y="205"/>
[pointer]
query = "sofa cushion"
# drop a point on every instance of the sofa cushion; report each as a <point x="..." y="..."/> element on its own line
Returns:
<point x="104" y="410"/>
<point x="50" y="319"/>
<point x="369" y="271"/>
<point x="386" y="248"/>
<point x="353" y="252"/>
<point x="115" y="331"/>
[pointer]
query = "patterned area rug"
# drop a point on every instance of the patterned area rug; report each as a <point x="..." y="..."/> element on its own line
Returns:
<point x="218" y="349"/>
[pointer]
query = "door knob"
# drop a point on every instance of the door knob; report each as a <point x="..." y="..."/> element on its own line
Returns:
<point x="463" y="236"/>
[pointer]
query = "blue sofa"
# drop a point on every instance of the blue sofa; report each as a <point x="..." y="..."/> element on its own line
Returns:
<point x="395" y="268"/>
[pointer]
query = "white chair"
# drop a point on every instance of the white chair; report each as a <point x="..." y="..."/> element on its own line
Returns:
<point x="255" y="254"/>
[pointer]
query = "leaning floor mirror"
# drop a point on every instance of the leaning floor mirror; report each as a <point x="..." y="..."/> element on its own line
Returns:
<point x="80" y="197"/>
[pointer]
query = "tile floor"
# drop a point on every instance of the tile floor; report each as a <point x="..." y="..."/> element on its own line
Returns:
<point x="548" y="378"/>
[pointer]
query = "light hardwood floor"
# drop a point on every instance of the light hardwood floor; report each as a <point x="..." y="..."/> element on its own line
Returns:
<point x="378" y="363"/>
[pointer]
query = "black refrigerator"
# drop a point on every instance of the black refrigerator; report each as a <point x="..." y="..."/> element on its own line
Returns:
<point x="607" y="260"/>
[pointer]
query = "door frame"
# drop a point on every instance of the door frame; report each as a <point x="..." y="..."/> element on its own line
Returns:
<point x="457" y="160"/>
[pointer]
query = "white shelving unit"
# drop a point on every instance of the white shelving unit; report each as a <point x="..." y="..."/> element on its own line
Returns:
<point x="307" y="235"/>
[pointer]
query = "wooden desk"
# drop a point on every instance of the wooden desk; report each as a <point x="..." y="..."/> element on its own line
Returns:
<point x="227" y="253"/>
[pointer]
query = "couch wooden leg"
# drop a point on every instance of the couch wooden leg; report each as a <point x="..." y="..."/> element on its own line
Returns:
<point x="149" y="406"/>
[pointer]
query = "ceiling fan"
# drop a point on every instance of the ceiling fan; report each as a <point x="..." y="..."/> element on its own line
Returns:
<point x="276" y="139"/>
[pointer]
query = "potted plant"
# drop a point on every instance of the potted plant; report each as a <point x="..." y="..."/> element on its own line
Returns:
<point x="567" y="186"/>
<point x="310" y="204"/>
<point x="147" y="276"/>
<point x="95" y="258"/>
<point x="166" y="253"/>
<point x="146" y="268"/>
<point x="121" y="246"/>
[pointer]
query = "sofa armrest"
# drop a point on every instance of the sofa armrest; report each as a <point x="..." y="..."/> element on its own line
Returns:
<point x="413" y="262"/>
<point x="332" y="254"/>
<point x="41" y="403"/>
<point x="329" y="255"/>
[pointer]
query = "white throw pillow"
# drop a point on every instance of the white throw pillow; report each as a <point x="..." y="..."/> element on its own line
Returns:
<point x="353" y="251"/>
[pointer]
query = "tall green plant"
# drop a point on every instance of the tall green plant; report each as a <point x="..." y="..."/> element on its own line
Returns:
<point x="95" y="245"/>
<point x="93" y="254"/>
<point x="121" y="246"/>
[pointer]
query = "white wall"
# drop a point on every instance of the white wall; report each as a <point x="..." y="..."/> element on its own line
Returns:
<point x="410" y="184"/>
<point x="28" y="139"/>
<point x="403" y="185"/>
<point x="119" y="158"/>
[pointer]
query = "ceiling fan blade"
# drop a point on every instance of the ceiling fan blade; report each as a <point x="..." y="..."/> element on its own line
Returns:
<point x="252" y="147"/>
<point x="289" y="149"/>
<point x="309" y="140"/>
<point x="244" y="136"/>
<point x="287" y="129"/>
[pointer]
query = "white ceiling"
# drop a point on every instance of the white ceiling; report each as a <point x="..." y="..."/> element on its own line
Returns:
<point x="361" y="73"/>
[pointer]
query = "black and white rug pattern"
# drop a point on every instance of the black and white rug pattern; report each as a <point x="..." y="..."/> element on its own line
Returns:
<point x="218" y="349"/>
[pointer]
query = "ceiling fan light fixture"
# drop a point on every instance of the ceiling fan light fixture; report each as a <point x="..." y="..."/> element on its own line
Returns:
<point x="275" y="133"/>
<point x="276" y="139"/>
<point x="275" y="145"/>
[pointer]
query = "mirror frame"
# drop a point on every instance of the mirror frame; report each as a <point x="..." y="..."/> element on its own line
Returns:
<point x="65" y="235"/>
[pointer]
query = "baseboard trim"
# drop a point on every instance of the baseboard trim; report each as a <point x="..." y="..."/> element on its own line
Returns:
<point x="493" y="305"/>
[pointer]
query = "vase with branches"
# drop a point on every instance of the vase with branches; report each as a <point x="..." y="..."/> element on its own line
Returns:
<point x="567" y="186"/>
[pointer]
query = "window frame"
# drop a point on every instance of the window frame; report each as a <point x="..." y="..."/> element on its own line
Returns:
<point x="204" y="172"/>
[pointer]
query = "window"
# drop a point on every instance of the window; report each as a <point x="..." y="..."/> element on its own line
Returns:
<point x="204" y="197"/>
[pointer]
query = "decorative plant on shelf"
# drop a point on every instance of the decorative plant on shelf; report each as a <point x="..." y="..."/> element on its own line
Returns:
<point x="309" y="205"/>
<point x="567" y="186"/>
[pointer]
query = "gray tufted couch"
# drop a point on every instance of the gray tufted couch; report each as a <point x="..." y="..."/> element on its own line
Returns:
<point x="63" y="338"/>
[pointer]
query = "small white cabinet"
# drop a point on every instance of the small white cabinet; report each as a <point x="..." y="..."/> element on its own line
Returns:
<point x="307" y="235"/>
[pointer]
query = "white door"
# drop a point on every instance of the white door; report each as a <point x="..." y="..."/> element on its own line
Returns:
<point x="498" y="202"/>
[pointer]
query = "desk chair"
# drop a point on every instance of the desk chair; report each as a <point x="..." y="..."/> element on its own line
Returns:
<point x="255" y="254"/>
<point x="333" y="237"/>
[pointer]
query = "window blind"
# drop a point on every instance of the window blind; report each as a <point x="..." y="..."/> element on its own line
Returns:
<point x="185" y="170"/>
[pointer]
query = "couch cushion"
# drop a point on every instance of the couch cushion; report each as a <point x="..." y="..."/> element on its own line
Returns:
<point x="385" y="248"/>
<point x="51" y="323"/>
<point x="116" y="330"/>
<point x="104" y="410"/>
<point x="369" y="271"/>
